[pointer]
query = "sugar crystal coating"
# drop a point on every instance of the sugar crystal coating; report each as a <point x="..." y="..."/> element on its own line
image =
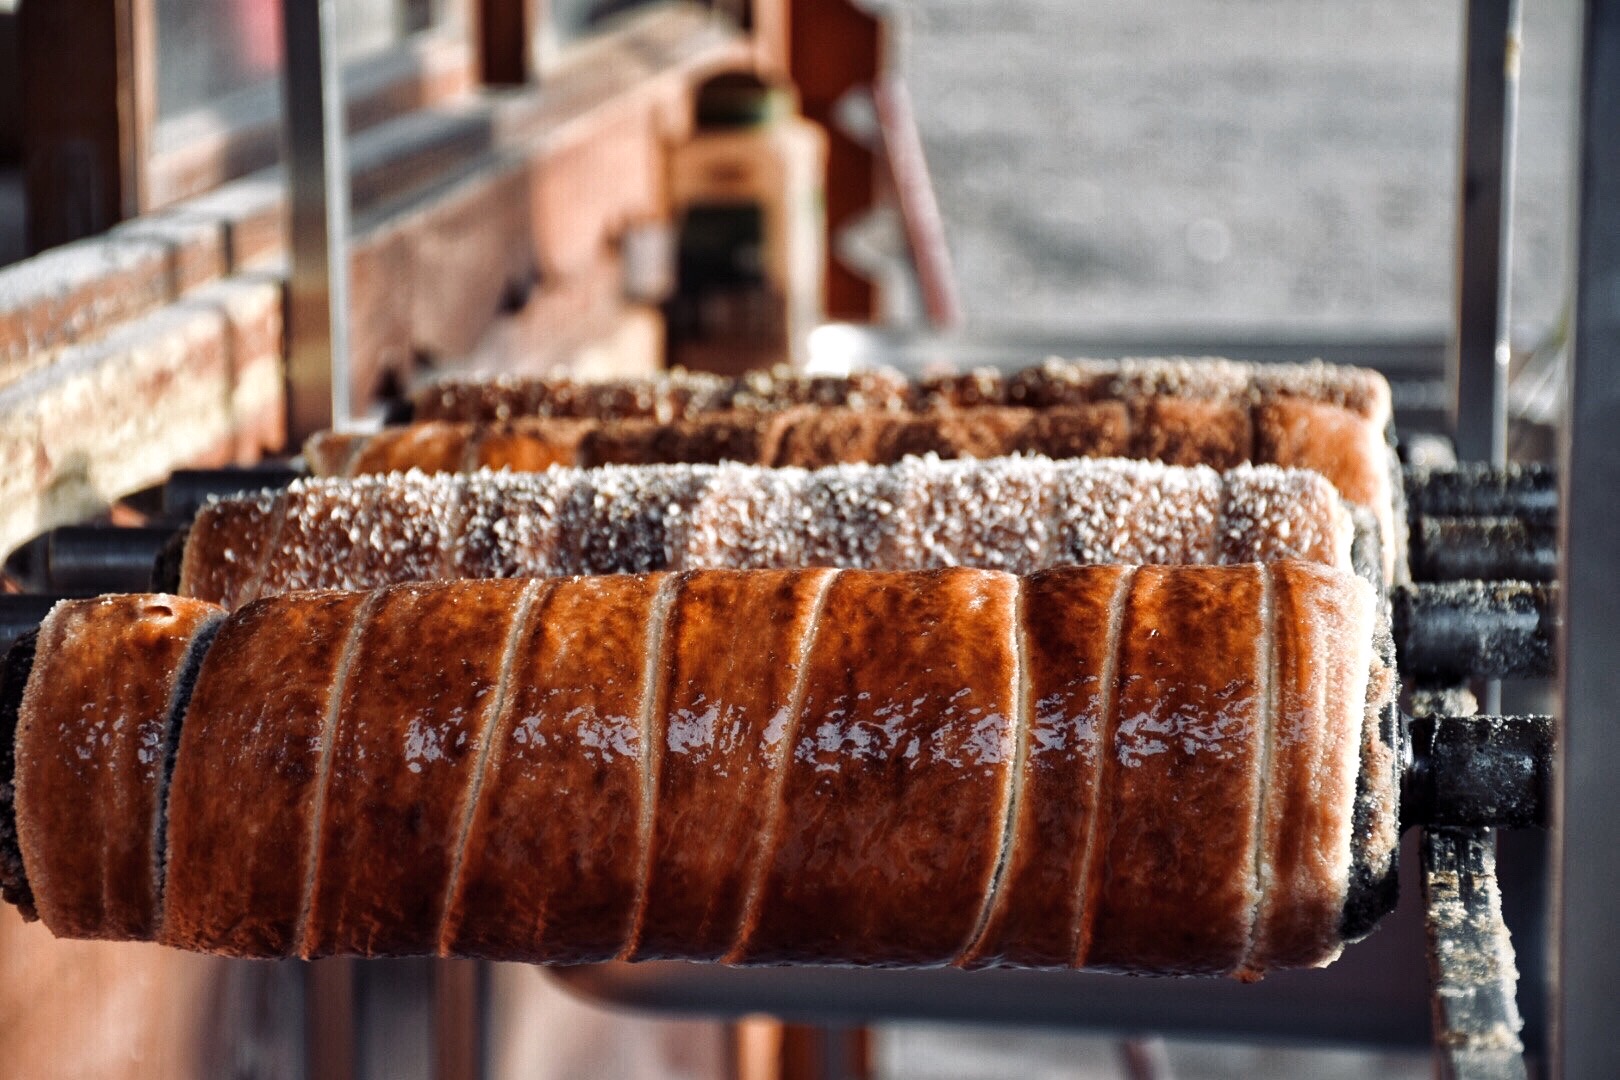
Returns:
<point x="1018" y="514"/>
<point x="680" y="394"/>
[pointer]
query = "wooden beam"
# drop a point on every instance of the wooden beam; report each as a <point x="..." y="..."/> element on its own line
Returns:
<point x="89" y="100"/>
<point x="507" y="33"/>
<point x="196" y="382"/>
<point x="835" y="47"/>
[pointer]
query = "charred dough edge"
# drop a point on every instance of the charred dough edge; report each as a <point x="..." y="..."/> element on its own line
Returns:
<point x="749" y="918"/>
<point x="1108" y="698"/>
<point x="179" y="704"/>
<point x="653" y="699"/>
<point x="486" y="742"/>
<point x="1014" y="785"/>
<point x="323" y="775"/>
<point x="18" y="665"/>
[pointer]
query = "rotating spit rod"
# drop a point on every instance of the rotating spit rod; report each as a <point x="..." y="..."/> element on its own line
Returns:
<point x="1477" y="771"/>
<point x="1475" y="489"/>
<point x="1449" y="632"/>
<point x="1459" y="771"/>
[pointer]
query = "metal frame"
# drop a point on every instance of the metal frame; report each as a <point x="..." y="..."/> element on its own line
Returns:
<point x="1586" y="877"/>
<point x="1484" y="271"/>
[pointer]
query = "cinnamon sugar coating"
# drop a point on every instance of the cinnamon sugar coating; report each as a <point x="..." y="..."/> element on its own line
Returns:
<point x="1017" y="514"/>
<point x="684" y="395"/>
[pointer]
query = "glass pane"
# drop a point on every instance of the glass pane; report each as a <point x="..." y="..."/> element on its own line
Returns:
<point x="209" y="50"/>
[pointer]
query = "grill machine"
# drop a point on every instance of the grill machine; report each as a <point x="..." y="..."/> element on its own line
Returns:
<point x="1465" y="775"/>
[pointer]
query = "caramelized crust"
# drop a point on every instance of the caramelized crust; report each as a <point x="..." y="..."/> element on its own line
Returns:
<point x="527" y="450"/>
<point x="402" y="764"/>
<point x="93" y="745"/>
<point x="1320" y="620"/>
<point x="1156" y="770"/>
<point x="246" y="780"/>
<point x="889" y="824"/>
<point x="551" y="861"/>
<point x="727" y="711"/>
<point x="1177" y="431"/>
<point x="429" y="447"/>
<point x="229" y="541"/>
<point x="1172" y="882"/>
<point x="1099" y="429"/>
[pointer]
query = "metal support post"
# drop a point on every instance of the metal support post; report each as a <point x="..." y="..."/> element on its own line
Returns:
<point x="1586" y="858"/>
<point x="1482" y="347"/>
<point x="318" y="390"/>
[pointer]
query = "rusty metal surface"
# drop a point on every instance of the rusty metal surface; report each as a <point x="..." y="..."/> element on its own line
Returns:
<point x="1447" y="632"/>
<point x="1476" y="1016"/>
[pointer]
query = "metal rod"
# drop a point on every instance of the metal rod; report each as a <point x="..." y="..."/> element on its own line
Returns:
<point x="186" y="490"/>
<point x="1475" y="489"/>
<point x="88" y="559"/>
<point x="1483" y="549"/>
<point x="1503" y="352"/>
<point x="314" y="156"/>
<point x="1586" y="859"/>
<point x="21" y="614"/>
<point x="1480" y="404"/>
<point x="1478" y="771"/>
<point x="1449" y="632"/>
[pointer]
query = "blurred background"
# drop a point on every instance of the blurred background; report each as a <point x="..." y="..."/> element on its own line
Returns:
<point x="1198" y="163"/>
<point x="1271" y="168"/>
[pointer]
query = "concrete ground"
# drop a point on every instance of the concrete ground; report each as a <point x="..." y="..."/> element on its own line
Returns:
<point x="1193" y="164"/>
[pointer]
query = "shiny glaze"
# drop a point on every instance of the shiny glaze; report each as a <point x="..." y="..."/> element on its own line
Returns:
<point x="1068" y="617"/>
<point x="552" y="860"/>
<point x="429" y="447"/>
<point x="93" y="741"/>
<point x="1319" y="704"/>
<point x="1172" y="885"/>
<point x="406" y="748"/>
<point x="890" y="820"/>
<point x="242" y="799"/>
<point x="1066" y="768"/>
<point x="730" y="668"/>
